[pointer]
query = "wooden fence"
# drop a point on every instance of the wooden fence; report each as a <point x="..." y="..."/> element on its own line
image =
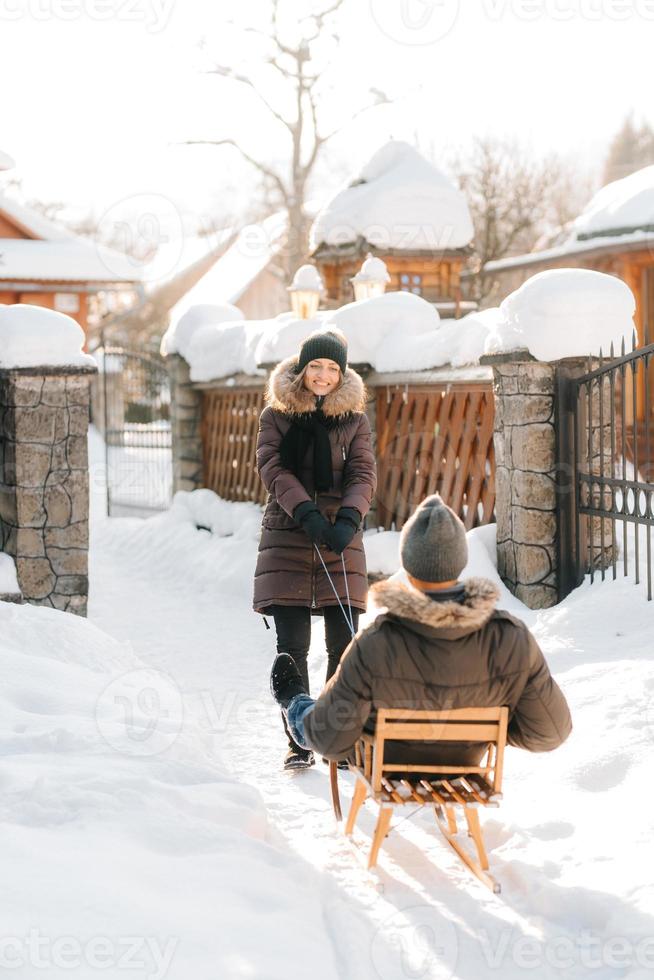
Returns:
<point x="230" y="422"/>
<point x="435" y="439"/>
<point x="430" y="438"/>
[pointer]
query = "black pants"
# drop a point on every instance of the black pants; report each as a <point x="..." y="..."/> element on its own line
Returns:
<point x="293" y="628"/>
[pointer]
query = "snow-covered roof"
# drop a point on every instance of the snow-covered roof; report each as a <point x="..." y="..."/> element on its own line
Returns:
<point x="53" y="253"/>
<point x="31" y="336"/>
<point x="32" y="223"/>
<point x="398" y="200"/>
<point x="619" y="216"/>
<point x="68" y="260"/>
<point x="176" y="257"/>
<point x="623" y="206"/>
<point x="230" y="276"/>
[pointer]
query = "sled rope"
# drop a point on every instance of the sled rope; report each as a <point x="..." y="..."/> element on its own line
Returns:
<point x="348" y="620"/>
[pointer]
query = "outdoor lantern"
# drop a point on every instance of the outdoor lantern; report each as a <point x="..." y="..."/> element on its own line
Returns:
<point x="306" y="290"/>
<point x="371" y="278"/>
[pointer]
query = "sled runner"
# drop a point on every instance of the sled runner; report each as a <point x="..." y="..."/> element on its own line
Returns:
<point x="453" y="788"/>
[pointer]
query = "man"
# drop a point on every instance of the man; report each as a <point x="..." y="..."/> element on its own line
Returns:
<point x="440" y="644"/>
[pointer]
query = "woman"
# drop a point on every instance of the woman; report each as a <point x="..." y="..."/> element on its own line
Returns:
<point x="315" y="458"/>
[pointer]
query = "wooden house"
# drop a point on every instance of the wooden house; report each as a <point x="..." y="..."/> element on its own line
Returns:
<point x="400" y="208"/>
<point x="614" y="234"/>
<point x="45" y="264"/>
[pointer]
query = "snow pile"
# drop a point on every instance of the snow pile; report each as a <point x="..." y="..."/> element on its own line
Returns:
<point x="622" y="206"/>
<point x="179" y="336"/>
<point x="398" y="200"/>
<point x="31" y="336"/>
<point x="577" y="897"/>
<point x="8" y="581"/>
<point x="565" y="313"/>
<point x="112" y="793"/>
<point x="373" y="269"/>
<point x="382" y="550"/>
<point x="398" y="331"/>
<point x="307" y="277"/>
<point x="225" y="518"/>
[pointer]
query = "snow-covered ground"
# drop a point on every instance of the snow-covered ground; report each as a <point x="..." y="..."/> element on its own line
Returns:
<point x="145" y="814"/>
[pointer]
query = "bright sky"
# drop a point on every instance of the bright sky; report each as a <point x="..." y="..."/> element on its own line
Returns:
<point x="95" y="91"/>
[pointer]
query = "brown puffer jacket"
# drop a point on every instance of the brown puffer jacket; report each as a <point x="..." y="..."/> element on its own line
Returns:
<point x="288" y="571"/>
<point x="423" y="654"/>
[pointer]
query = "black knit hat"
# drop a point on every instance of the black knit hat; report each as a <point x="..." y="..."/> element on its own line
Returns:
<point x="327" y="343"/>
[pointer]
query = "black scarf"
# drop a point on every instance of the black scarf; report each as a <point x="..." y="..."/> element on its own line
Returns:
<point x="306" y="429"/>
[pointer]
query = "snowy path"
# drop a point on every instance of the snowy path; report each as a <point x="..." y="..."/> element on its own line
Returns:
<point x="181" y="597"/>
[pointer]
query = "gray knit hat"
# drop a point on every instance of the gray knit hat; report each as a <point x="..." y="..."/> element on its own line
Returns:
<point x="329" y="344"/>
<point x="433" y="544"/>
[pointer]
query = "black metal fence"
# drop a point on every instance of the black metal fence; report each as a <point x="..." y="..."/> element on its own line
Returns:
<point x="131" y="408"/>
<point x="606" y="469"/>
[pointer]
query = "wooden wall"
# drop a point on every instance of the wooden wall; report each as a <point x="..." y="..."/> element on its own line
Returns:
<point x="429" y="438"/>
<point x="439" y="279"/>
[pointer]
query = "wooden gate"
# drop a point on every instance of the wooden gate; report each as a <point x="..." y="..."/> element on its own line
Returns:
<point x="435" y="439"/>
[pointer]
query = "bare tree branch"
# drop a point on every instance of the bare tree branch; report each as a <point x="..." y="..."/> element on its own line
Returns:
<point x="225" y="72"/>
<point x="294" y="64"/>
<point x="262" y="168"/>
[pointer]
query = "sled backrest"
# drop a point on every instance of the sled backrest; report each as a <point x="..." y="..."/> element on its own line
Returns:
<point x="487" y="725"/>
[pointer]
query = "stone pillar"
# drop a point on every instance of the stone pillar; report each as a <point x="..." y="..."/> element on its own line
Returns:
<point x="185" y="421"/>
<point x="44" y="482"/>
<point x="535" y="478"/>
<point x="525" y="477"/>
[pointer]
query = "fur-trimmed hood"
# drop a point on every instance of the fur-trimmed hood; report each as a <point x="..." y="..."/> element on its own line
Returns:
<point x="400" y="599"/>
<point x="349" y="397"/>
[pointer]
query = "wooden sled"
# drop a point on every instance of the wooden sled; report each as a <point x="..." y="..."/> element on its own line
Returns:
<point x="453" y="788"/>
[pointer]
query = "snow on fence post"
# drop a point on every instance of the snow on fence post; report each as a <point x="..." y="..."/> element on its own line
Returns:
<point x="548" y="331"/>
<point x="44" y="470"/>
<point x="185" y="425"/>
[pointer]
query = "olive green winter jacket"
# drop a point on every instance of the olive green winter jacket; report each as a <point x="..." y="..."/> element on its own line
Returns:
<point x="427" y="654"/>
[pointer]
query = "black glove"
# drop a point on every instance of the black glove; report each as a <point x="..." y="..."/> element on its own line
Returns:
<point x="343" y="530"/>
<point x="312" y="522"/>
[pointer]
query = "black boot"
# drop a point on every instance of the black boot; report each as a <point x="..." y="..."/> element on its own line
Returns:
<point x="285" y="680"/>
<point x="297" y="758"/>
